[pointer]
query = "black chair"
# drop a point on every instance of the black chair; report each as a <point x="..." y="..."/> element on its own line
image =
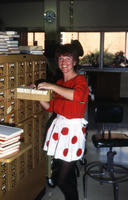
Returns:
<point x="109" y="171"/>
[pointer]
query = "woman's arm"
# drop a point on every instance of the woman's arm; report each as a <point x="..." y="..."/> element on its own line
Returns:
<point x="65" y="92"/>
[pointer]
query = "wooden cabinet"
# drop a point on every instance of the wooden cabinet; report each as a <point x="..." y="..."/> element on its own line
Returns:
<point x="22" y="175"/>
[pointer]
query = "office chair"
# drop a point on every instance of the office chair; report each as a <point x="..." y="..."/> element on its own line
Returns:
<point x="108" y="171"/>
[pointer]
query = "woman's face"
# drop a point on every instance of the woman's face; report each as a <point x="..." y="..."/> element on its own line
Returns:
<point x="66" y="63"/>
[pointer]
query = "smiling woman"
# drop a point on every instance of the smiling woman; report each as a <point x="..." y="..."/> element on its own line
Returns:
<point x="65" y="139"/>
<point x="66" y="63"/>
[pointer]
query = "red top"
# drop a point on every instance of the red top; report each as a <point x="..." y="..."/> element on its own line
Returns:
<point x="67" y="108"/>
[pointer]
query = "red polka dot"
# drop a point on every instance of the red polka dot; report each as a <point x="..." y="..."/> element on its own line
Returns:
<point x="65" y="152"/>
<point x="74" y="140"/>
<point x="64" y="131"/>
<point x="79" y="152"/>
<point x="83" y="130"/>
<point x="55" y="136"/>
<point x="47" y="143"/>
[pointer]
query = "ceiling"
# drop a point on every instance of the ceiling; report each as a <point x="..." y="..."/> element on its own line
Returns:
<point x="19" y="1"/>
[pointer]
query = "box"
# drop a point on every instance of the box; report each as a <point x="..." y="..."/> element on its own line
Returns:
<point x="23" y="92"/>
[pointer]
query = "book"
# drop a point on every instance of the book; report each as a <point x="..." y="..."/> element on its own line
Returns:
<point x="3" y="43"/>
<point x="10" y="32"/>
<point x="2" y="155"/>
<point x="9" y="141"/>
<point x="30" y="48"/>
<point x="11" y="42"/>
<point x="7" y="132"/>
<point x="13" y="52"/>
<point x="12" y="45"/>
<point x="36" y="52"/>
<point x="9" y="147"/>
<point x="3" y="49"/>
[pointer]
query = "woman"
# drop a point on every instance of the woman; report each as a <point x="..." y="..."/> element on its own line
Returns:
<point x="65" y="139"/>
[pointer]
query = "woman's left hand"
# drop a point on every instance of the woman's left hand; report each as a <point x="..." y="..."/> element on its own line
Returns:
<point x="45" y="85"/>
<point x="63" y="91"/>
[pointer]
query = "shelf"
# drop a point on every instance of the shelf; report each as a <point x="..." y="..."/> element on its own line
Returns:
<point x="84" y="69"/>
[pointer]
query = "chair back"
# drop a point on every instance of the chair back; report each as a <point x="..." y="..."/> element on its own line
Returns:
<point x="108" y="113"/>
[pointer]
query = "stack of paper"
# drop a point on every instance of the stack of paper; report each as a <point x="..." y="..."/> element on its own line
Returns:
<point x="8" y="42"/>
<point x="9" y="140"/>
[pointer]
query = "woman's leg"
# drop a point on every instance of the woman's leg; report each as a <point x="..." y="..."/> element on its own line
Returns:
<point x="65" y="178"/>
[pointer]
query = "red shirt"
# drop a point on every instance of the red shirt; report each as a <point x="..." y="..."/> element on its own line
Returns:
<point x="67" y="108"/>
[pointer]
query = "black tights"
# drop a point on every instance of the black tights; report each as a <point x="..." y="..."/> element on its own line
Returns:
<point x="64" y="176"/>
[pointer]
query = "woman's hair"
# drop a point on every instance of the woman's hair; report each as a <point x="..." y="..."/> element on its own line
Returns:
<point x="67" y="50"/>
<point x="78" y="47"/>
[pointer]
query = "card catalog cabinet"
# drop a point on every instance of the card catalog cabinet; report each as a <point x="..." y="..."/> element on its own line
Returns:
<point x="22" y="172"/>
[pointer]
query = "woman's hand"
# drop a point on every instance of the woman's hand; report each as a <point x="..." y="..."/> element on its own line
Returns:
<point x="32" y="86"/>
<point x="65" y="92"/>
<point x="45" y="85"/>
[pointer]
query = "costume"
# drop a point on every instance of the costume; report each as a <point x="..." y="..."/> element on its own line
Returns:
<point x="66" y="136"/>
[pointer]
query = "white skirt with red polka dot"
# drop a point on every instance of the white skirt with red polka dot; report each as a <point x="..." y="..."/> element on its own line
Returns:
<point x="66" y="138"/>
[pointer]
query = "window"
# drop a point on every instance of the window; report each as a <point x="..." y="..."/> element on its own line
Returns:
<point x="115" y="43"/>
<point x="36" y="38"/>
<point x="114" y="47"/>
<point x="89" y="41"/>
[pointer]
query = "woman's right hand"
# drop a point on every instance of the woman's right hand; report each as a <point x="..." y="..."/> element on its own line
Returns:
<point x="32" y="86"/>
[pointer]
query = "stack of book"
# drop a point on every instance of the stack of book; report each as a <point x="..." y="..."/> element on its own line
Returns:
<point x="37" y="50"/>
<point x="9" y="140"/>
<point x="3" y="44"/>
<point x="9" y="43"/>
